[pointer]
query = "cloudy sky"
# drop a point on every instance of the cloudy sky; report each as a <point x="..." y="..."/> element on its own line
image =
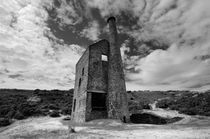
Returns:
<point x="165" y="44"/>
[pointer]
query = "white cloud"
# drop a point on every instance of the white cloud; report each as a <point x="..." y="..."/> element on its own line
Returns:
<point x="92" y="31"/>
<point x="27" y="54"/>
<point x="175" y="67"/>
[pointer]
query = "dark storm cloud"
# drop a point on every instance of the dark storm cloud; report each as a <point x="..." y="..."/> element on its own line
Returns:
<point x="15" y="76"/>
<point x="69" y="31"/>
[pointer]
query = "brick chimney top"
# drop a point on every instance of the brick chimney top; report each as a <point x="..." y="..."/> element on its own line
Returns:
<point x="111" y="18"/>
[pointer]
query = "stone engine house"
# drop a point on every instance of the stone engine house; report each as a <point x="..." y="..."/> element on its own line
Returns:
<point x="100" y="91"/>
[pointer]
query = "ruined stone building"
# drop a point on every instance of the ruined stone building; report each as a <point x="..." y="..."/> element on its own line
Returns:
<point x="100" y="91"/>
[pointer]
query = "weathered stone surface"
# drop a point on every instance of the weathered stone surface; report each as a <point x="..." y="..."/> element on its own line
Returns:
<point x="97" y="77"/>
<point x="80" y="93"/>
<point x="118" y="104"/>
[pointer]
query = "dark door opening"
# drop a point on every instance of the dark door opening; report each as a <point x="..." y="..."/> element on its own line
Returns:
<point x="124" y="119"/>
<point x="98" y="101"/>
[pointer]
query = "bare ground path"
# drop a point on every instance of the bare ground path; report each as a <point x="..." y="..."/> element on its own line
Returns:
<point x="56" y="128"/>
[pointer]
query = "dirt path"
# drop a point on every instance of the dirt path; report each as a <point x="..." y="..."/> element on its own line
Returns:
<point x="56" y="128"/>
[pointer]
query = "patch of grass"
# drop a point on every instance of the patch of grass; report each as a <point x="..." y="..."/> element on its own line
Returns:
<point x="21" y="104"/>
<point x="55" y="114"/>
<point x="188" y="103"/>
<point x="19" y="116"/>
<point x="5" y="122"/>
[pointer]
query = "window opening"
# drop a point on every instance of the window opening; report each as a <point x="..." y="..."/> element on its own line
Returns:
<point x="83" y="70"/>
<point x="104" y="58"/>
<point x="80" y="82"/>
<point x="74" y="104"/>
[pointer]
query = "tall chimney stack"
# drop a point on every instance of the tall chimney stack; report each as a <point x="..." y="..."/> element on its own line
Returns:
<point x="113" y="38"/>
<point x="117" y="96"/>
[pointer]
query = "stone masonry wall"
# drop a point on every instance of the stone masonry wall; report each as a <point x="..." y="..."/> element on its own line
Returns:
<point x="118" y="104"/>
<point x="97" y="79"/>
<point x="80" y="91"/>
<point x="96" y="73"/>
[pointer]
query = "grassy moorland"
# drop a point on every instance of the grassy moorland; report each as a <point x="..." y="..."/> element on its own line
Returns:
<point x="139" y="100"/>
<point x="188" y="103"/>
<point x="21" y="104"/>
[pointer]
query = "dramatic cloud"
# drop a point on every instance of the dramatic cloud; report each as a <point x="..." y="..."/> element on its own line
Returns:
<point x="92" y="32"/>
<point x="173" y="69"/>
<point x="28" y="57"/>
<point x="66" y="12"/>
<point x="171" y="47"/>
<point x="165" y="42"/>
<point x="110" y="7"/>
